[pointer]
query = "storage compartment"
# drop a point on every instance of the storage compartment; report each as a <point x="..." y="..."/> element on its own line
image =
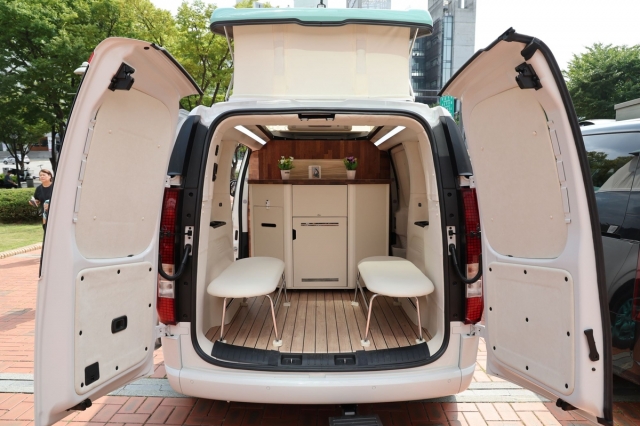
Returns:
<point x="319" y="200"/>
<point x="320" y="252"/>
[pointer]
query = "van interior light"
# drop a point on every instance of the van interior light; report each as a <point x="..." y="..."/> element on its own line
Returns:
<point x="389" y="135"/>
<point x="251" y="134"/>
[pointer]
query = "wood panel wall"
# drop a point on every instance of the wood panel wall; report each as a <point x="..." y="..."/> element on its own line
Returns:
<point x="372" y="163"/>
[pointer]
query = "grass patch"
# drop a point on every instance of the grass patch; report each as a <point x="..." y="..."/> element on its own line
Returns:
<point x="13" y="236"/>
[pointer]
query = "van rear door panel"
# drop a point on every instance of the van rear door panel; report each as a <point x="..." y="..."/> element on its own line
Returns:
<point x="97" y="295"/>
<point x="546" y="314"/>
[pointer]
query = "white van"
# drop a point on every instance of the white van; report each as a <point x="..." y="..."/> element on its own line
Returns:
<point x="321" y="85"/>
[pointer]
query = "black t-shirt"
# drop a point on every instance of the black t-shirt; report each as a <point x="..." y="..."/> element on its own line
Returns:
<point x="43" y="194"/>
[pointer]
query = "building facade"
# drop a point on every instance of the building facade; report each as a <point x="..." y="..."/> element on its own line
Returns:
<point x="436" y="58"/>
<point x="369" y="4"/>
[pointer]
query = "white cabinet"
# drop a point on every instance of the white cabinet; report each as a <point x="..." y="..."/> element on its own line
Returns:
<point x="320" y="252"/>
<point x="320" y="231"/>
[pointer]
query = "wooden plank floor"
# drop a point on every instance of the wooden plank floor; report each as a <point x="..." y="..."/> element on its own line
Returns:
<point x="319" y="321"/>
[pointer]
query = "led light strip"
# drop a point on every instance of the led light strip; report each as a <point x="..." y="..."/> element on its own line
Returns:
<point x="389" y="135"/>
<point x="251" y="134"/>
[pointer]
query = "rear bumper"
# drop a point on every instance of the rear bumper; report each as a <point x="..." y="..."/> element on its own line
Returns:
<point x="450" y="374"/>
<point x="317" y="388"/>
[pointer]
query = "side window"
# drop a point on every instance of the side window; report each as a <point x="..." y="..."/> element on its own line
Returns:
<point x="613" y="159"/>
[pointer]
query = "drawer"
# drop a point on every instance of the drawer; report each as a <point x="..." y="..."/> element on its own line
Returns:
<point x="260" y="194"/>
<point x="320" y="200"/>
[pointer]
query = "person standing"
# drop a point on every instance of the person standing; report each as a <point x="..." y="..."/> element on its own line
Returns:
<point x="42" y="196"/>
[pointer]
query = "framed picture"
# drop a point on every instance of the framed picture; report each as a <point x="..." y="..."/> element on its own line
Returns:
<point x="315" y="172"/>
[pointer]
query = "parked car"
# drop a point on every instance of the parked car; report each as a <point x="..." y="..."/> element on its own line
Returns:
<point x="613" y="149"/>
<point x="321" y="85"/>
<point x="12" y="160"/>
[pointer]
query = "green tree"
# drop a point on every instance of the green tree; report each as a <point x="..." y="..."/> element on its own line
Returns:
<point x="205" y="56"/>
<point x="602" y="77"/>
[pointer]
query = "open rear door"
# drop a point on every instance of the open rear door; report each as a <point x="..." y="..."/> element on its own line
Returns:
<point x="97" y="295"/>
<point x="547" y="325"/>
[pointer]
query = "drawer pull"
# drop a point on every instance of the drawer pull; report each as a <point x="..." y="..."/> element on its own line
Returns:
<point x="268" y="225"/>
<point x="422" y="223"/>
<point x="217" y="224"/>
<point x="320" y="280"/>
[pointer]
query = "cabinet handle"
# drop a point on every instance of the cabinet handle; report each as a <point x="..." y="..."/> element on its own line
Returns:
<point x="268" y="225"/>
<point x="217" y="224"/>
<point x="294" y="234"/>
<point x="422" y="223"/>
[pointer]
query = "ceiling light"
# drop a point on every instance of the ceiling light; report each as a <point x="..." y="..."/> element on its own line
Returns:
<point x="251" y="134"/>
<point x="389" y="135"/>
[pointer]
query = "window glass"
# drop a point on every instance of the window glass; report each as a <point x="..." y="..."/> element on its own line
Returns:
<point x="613" y="159"/>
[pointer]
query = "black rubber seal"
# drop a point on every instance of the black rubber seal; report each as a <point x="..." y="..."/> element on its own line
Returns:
<point x="447" y="278"/>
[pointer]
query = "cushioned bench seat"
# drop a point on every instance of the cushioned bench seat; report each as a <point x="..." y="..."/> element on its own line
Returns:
<point x="393" y="277"/>
<point x="250" y="277"/>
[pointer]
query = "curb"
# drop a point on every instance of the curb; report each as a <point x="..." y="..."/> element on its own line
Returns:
<point x="9" y="253"/>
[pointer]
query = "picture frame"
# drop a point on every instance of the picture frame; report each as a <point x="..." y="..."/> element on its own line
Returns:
<point x="315" y="172"/>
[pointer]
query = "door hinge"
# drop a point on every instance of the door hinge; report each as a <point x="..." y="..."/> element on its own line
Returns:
<point x="527" y="77"/>
<point x="82" y="406"/>
<point x="122" y="79"/>
<point x="564" y="405"/>
<point x="477" y="330"/>
<point x="161" y="331"/>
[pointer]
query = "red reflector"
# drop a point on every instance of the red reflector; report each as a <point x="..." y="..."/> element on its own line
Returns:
<point x="166" y="310"/>
<point x="475" y="299"/>
<point x="90" y="57"/>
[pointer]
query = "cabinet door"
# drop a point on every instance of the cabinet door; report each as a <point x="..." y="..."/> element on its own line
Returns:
<point x="268" y="228"/>
<point x="320" y="252"/>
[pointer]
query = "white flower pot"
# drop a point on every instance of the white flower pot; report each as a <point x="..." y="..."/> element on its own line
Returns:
<point x="351" y="174"/>
<point x="285" y="174"/>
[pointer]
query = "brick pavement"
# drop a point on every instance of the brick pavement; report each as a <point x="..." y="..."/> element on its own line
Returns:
<point x="18" y="283"/>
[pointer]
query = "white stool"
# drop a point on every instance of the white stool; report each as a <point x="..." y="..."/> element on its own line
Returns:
<point x="393" y="277"/>
<point x="250" y="277"/>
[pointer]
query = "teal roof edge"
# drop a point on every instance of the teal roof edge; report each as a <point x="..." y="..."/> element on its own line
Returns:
<point x="321" y="17"/>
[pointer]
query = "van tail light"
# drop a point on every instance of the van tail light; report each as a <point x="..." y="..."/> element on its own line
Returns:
<point x="475" y="301"/>
<point x="166" y="303"/>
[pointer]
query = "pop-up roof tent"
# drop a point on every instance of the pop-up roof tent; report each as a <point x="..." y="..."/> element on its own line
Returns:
<point x="321" y="53"/>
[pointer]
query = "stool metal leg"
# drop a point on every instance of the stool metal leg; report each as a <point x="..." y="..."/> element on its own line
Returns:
<point x="277" y="342"/>
<point x="224" y="311"/>
<point x="284" y="285"/>
<point x="355" y="296"/>
<point x="420" y="340"/>
<point x="365" y="342"/>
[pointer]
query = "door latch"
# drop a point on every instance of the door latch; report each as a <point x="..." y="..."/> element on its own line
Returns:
<point x="188" y="236"/>
<point x="451" y="235"/>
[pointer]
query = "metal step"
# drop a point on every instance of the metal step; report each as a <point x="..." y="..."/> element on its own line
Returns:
<point x="372" y="420"/>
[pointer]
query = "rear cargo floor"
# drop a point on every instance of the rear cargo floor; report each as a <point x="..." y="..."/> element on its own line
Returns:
<point x="319" y="321"/>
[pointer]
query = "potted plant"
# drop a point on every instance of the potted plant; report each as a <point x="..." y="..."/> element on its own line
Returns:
<point x="285" y="165"/>
<point x="351" y="163"/>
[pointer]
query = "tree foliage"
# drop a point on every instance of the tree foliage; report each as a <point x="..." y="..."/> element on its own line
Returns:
<point x="44" y="41"/>
<point x="603" y="76"/>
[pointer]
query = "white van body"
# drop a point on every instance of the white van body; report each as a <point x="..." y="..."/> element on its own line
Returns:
<point x="545" y="310"/>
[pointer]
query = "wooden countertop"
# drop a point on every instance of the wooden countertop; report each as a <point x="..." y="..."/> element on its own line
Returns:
<point x="319" y="181"/>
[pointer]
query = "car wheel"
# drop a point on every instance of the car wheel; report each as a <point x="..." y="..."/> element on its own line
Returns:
<point x="5" y="162"/>
<point x="623" y="326"/>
